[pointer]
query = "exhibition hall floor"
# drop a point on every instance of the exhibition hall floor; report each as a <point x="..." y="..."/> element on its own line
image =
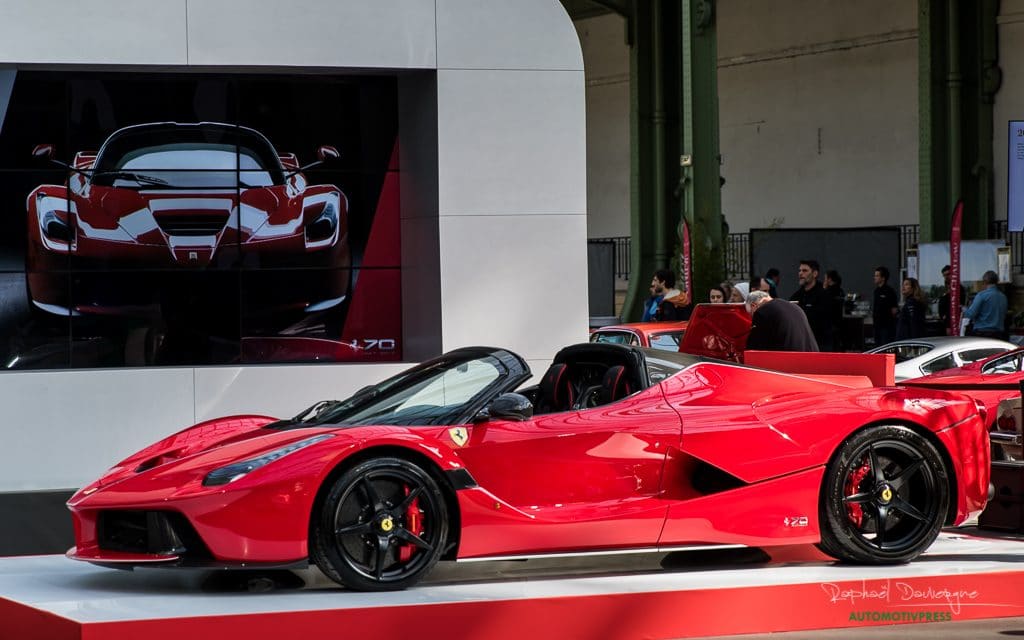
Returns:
<point x="966" y="575"/>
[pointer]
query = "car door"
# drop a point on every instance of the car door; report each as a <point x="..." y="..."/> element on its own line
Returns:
<point x="586" y="478"/>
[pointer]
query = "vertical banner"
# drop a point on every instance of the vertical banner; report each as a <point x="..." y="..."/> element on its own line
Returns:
<point x="1015" y="176"/>
<point x="686" y="262"/>
<point x="954" y="269"/>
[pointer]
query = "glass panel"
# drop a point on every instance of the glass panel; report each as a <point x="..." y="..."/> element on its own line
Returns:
<point x="939" y="364"/>
<point x="973" y="355"/>
<point x="666" y="341"/>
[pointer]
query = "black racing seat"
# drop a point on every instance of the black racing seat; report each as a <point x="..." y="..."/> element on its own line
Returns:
<point x="555" y="391"/>
<point x="615" y="385"/>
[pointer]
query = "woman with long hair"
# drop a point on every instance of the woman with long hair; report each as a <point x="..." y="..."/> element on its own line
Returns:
<point x="910" y="322"/>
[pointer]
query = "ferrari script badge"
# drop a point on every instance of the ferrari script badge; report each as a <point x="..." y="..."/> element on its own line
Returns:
<point x="459" y="435"/>
<point x="387" y="524"/>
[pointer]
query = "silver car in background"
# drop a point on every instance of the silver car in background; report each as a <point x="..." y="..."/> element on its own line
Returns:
<point x="918" y="357"/>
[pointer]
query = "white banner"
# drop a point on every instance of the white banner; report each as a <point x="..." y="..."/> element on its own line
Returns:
<point x="1015" y="176"/>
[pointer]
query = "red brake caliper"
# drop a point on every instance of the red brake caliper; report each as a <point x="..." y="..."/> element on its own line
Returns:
<point x="413" y="524"/>
<point x="852" y="487"/>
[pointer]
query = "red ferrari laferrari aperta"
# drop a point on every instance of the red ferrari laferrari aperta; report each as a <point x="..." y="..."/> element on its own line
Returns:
<point x="165" y="198"/>
<point x="617" y="448"/>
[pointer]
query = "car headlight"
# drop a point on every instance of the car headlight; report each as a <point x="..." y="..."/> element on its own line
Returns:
<point x="324" y="226"/>
<point x="234" y="471"/>
<point x="55" y="227"/>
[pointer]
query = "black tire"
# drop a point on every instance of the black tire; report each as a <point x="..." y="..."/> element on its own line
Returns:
<point x="383" y="525"/>
<point x="884" y="497"/>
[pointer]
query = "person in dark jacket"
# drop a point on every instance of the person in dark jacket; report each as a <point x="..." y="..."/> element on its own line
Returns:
<point x="884" y="308"/>
<point x="771" y="276"/>
<point x="945" y="300"/>
<point x="836" y="299"/>
<point x="910" y="322"/>
<point x="811" y="297"/>
<point x="778" y="325"/>
<point x="675" y="304"/>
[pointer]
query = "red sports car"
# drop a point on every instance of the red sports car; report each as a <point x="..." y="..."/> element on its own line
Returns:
<point x="617" y="448"/>
<point x="165" y="198"/>
<point x="993" y="381"/>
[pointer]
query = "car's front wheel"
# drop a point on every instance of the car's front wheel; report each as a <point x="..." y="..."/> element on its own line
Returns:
<point x="382" y="526"/>
<point x="885" y="497"/>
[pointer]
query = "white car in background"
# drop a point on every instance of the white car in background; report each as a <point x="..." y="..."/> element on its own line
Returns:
<point x="918" y="357"/>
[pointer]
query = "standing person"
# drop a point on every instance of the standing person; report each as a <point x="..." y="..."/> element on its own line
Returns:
<point x="657" y="295"/>
<point x="728" y="289"/>
<point x="716" y="295"/>
<point x="675" y="305"/>
<point x="772" y="277"/>
<point x="988" y="310"/>
<point x="945" y="300"/>
<point x="811" y="297"/>
<point x="740" y="291"/>
<point x="836" y="298"/>
<point x="910" y="322"/>
<point x="884" y="308"/>
<point x="778" y="325"/>
<point x="757" y="283"/>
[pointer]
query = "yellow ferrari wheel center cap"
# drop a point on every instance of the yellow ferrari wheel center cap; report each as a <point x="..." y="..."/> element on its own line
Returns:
<point x="387" y="524"/>
<point x="886" y="494"/>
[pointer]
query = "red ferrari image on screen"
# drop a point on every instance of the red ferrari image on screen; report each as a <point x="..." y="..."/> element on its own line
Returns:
<point x="168" y="197"/>
<point x="616" y="448"/>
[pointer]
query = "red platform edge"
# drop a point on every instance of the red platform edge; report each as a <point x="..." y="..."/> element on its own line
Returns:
<point x="626" y="616"/>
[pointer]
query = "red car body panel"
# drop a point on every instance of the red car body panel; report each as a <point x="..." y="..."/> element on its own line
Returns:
<point x="618" y="476"/>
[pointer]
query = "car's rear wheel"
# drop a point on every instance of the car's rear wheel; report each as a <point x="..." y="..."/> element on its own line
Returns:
<point x="884" y="498"/>
<point x="383" y="525"/>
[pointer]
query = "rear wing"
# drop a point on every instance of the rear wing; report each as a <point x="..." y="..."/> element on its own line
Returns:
<point x="850" y="369"/>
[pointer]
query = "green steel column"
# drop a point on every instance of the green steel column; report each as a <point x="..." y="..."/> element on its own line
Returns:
<point x="674" y="114"/>
<point x="700" y="161"/>
<point x="954" y="122"/>
<point x="990" y="79"/>
<point x="959" y="76"/>
<point x="654" y="147"/>
<point x="932" y="131"/>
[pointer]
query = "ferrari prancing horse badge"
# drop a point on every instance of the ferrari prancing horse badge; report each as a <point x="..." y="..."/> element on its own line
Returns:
<point x="459" y="435"/>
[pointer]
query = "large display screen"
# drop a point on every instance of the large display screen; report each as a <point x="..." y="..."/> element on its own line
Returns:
<point x="191" y="219"/>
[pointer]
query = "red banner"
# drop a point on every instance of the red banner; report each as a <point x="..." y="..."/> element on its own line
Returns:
<point x="687" y="263"/>
<point x="954" y="268"/>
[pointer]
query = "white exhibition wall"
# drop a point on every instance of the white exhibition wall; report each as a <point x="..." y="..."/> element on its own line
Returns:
<point x="492" y="126"/>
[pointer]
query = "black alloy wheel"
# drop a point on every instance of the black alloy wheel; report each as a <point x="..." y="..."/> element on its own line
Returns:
<point x="383" y="525"/>
<point x="885" y="497"/>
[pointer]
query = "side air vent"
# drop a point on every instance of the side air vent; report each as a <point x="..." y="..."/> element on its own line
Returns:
<point x="708" y="479"/>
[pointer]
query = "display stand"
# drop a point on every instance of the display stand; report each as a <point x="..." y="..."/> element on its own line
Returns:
<point x="962" y="577"/>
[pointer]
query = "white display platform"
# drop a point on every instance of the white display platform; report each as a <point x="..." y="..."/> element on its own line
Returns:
<point x="963" y="576"/>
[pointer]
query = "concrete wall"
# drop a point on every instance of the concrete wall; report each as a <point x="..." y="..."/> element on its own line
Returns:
<point x="493" y="191"/>
<point x="818" y="114"/>
<point x="1010" y="99"/>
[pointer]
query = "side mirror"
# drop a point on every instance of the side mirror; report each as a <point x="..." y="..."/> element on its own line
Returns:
<point x="510" y="406"/>
<point x="44" y="151"/>
<point x="327" y="152"/>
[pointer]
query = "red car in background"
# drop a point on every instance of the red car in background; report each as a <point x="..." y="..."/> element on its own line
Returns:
<point x="664" y="336"/>
<point x="994" y="381"/>
<point x="162" y="199"/>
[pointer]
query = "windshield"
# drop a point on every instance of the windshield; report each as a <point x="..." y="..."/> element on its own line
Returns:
<point x="447" y="390"/>
<point x="665" y="364"/>
<point x="187" y="156"/>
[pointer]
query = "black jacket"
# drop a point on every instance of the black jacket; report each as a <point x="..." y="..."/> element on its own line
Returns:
<point x="816" y="304"/>
<point x="781" y="326"/>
